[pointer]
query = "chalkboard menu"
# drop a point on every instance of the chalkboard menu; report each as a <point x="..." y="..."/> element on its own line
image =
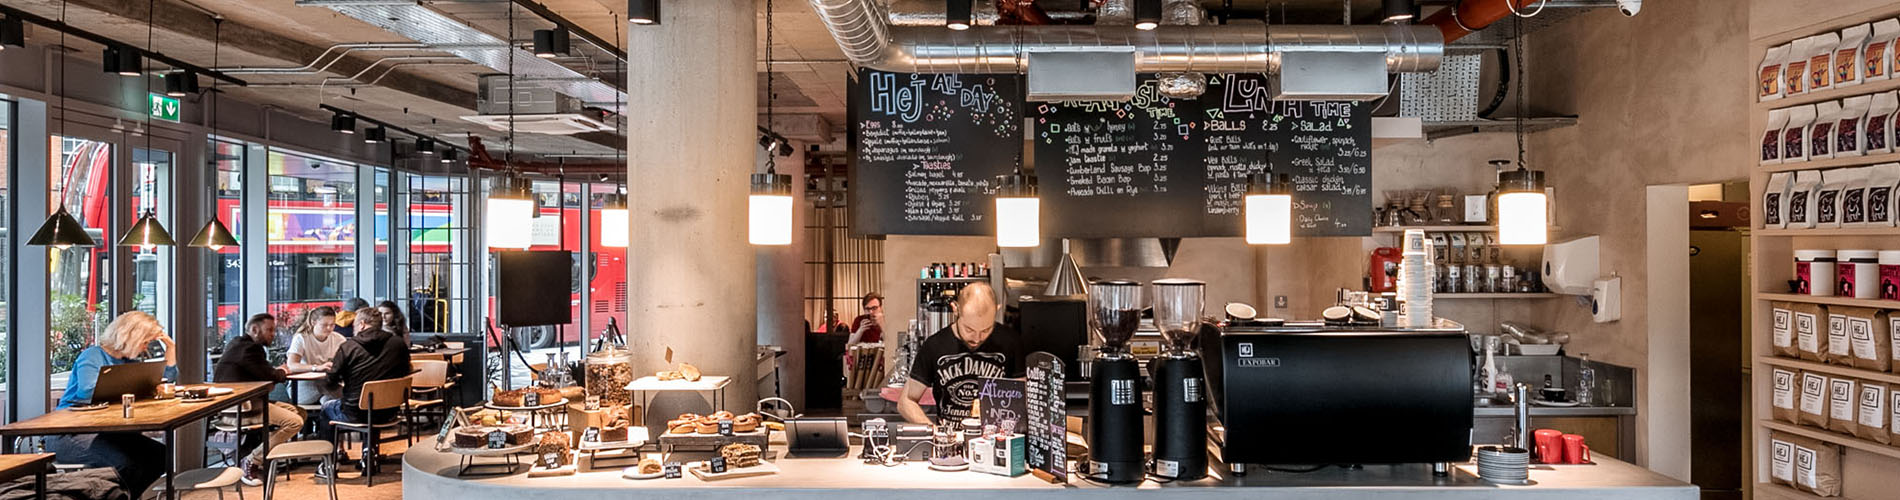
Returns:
<point x="1001" y="401"/>
<point x="1045" y="409"/>
<point x="1154" y="166"/>
<point x="928" y="146"/>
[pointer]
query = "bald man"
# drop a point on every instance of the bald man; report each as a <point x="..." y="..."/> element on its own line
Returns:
<point x="953" y="362"/>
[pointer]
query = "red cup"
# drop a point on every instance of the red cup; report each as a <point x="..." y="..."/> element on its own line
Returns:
<point x="1575" y="452"/>
<point x="1550" y="446"/>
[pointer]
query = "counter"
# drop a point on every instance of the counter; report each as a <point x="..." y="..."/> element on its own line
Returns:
<point x="429" y="474"/>
<point x="1490" y="411"/>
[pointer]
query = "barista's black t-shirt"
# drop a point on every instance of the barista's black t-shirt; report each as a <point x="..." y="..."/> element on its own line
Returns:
<point x="955" y="372"/>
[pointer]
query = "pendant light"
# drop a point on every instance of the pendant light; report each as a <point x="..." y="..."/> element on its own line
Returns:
<point x="61" y="231"/>
<point x="1018" y="211"/>
<point x="425" y="146"/>
<point x="1399" y="12"/>
<point x="123" y="61"/>
<point x="1269" y="206"/>
<point x="643" y="11"/>
<point x="147" y="234"/>
<point x="340" y="123"/>
<point x="957" y="14"/>
<point x="769" y="208"/>
<point x="510" y="213"/>
<point x="215" y="235"/>
<point x="448" y="156"/>
<point x="614" y="230"/>
<point x="1523" y="209"/>
<point x="1147" y="14"/>
<point x="181" y="83"/>
<point x="374" y="135"/>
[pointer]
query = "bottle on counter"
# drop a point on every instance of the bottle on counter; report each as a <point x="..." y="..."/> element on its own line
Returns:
<point x="1586" y="380"/>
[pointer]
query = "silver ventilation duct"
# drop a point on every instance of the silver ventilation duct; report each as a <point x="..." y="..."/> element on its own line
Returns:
<point x="930" y="13"/>
<point x="868" y="40"/>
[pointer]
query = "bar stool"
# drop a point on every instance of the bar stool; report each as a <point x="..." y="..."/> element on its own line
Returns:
<point x="215" y="478"/>
<point x="299" y="450"/>
<point x="388" y="397"/>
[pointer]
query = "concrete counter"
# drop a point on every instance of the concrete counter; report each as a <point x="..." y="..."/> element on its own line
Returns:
<point x="430" y="474"/>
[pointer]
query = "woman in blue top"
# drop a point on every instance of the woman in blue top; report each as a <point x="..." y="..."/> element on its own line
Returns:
<point x="131" y="454"/>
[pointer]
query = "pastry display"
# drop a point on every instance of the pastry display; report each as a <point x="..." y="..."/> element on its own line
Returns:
<point x="555" y="442"/>
<point x="707" y="425"/>
<point x="685" y="372"/>
<point x="608" y="373"/>
<point x="740" y="455"/>
<point x="615" y="424"/>
<point x="476" y="436"/>
<point x="574" y="393"/>
<point x="516" y="398"/>
<point x="682" y="427"/>
<point x="649" y="466"/>
<point x="746" y="423"/>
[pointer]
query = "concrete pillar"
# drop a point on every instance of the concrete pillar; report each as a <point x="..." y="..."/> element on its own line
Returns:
<point x="781" y="288"/>
<point x="692" y="93"/>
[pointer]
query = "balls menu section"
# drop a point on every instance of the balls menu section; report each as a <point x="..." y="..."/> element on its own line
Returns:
<point x="927" y="149"/>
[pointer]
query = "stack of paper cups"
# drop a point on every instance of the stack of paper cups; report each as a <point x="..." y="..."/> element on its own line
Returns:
<point x="1416" y="275"/>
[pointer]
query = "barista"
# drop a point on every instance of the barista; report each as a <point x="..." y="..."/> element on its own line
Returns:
<point x="953" y="362"/>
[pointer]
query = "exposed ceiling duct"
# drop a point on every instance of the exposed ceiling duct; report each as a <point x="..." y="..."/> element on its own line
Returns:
<point x="441" y="32"/>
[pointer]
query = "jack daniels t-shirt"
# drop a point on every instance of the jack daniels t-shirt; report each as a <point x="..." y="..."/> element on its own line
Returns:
<point x="955" y="372"/>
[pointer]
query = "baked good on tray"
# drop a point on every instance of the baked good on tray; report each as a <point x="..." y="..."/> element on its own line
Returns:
<point x="555" y="442"/>
<point x="649" y="466"/>
<point x="740" y="455"/>
<point x="518" y="397"/>
<point x="473" y="436"/>
<point x="707" y="425"/>
<point x="518" y="434"/>
<point x="616" y="423"/>
<point x="746" y="423"/>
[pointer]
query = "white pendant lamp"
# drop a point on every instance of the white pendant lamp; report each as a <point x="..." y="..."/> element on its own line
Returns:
<point x="1523" y="210"/>
<point x="613" y="222"/>
<point x="1018" y="211"/>
<point x="510" y="213"/>
<point x="1269" y="206"/>
<point x="769" y="209"/>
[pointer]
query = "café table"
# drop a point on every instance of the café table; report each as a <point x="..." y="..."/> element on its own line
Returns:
<point x="294" y="378"/>
<point x="165" y="415"/>
<point x="17" y="466"/>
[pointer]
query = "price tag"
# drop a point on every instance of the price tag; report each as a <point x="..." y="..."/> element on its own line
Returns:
<point x="531" y="399"/>
<point x="725" y="427"/>
<point x="591" y="435"/>
<point x="552" y="459"/>
<point x="497" y="440"/>
<point x="718" y="465"/>
<point x="593" y="403"/>
<point x="671" y="470"/>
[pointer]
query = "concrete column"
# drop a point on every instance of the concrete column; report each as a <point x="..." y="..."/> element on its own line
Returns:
<point x="781" y="288"/>
<point x="692" y="133"/>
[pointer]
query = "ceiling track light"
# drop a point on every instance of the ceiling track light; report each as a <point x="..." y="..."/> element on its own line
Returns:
<point x="125" y="61"/>
<point x="425" y="146"/>
<point x="957" y="14"/>
<point x="1269" y="207"/>
<point x="643" y="11"/>
<point x="375" y="135"/>
<point x="181" y="83"/>
<point x="549" y="44"/>
<point x="1400" y="11"/>
<point x="1147" y="14"/>
<point x="449" y="156"/>
<point x="12" y="32"/>
<point x="343" y="123"/>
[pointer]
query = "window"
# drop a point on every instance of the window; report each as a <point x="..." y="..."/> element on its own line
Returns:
<point x="839" y="268"/>
<point x="311" y="213"/>
<point x="225" y="277"/>
<point x="609" y="279"/>
<point x="78" y="278"/>
<point x="149" y="168"/>
<point x="6" y="249"/>
<point x="381" y="241"/>
<point x="435" y="268"/>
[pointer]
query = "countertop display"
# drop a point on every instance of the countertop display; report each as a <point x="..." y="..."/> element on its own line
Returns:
<point x="430" y="474"/>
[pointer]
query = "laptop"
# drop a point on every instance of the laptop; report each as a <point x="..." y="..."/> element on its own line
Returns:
<point x="817" y="437"/>
<point x="138" y="379"/>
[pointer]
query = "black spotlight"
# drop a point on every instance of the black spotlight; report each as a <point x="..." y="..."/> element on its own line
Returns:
<point x="181" y="83"/>
<point x="549" y="44"/>
<point x="425" y="146"/>
<point x="643" y="11"/>
<point x="448" y="156"/>
<point x="12" y="32"/>
<point x="343" y="123"/>
<point x="124" y="61"/>
<point x="1400" y="11"/>
<point x="375" y="134"/>
<point x="1147" y="14"/>
<point x="956" y="14"/>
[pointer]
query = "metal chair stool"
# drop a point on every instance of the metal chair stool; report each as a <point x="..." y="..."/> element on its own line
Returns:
<point x="215" y="478"/>
<point x="298" y="450"/>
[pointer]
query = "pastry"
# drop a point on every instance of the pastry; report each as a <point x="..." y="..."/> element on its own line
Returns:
<point x="472" y="436"/>
<point x="740" y="455"/>
<point x="555" y="442"/>
<point x="689" y="372"/>
<point x="574" y="393"/>
<point x="518" y="434"/>
<point x="721" y="415"/>
<point x="686" y="427"/>
<point x="614" y="429"/>
<point x="746" y="423"/>
<point x="649" y="466"/>
<point x="518" y="398"/>
<point x="706" y="425"/>
<point x="776" y="426"/>
<point x="668" y="375"/>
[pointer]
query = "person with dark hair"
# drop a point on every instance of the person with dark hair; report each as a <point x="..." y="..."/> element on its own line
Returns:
<point x="245" y="360"/>
<point x="311" y="350"/>
<point x="346" y="318"/>
<point x="953" y="362"/>
<point x="373" y="354"/>
<point x="869" y="326"/>
<point x="393" y="319"/>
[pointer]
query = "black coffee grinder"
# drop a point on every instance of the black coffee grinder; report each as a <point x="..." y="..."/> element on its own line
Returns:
<point x="1180" y="397"/>
<point x="1115" y="406"/>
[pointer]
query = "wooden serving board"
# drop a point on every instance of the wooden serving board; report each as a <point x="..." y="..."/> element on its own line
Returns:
<point x="763" y="469"/>
<point x="760" y="438"/>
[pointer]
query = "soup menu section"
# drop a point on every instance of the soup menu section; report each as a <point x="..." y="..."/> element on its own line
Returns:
<point x="928" y="147"/>
<point x="1154" y="166"/>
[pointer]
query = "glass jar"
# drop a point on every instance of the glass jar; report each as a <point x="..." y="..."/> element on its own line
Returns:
<point x="609" y="370"/>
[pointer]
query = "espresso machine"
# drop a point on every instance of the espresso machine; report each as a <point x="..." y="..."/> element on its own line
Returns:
<point x="1115" y="406"/>
<point x="1180" y="400"/>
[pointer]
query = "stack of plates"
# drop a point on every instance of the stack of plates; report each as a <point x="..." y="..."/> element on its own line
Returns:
<point x="1504" y="465"/>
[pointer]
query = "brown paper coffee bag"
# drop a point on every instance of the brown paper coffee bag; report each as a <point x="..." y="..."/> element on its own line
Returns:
<point x="1783" y="339"/>
<point x="1835" y="349"/>
<point x="1810" y="331"/>
<point x="1786" y="395"/>
<point x="1843" y="405"/>
<point x="1867" y="343"/>
<point x="1781" y="459"/>
<point x="1817" y="466"/>
<point x="1873" y="414"/>
<point x="1813" y="400"/>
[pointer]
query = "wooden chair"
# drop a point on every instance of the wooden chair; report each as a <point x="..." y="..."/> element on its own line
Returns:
<point x="426" y="356"/>
<point x="427" y="391"/>
<point x="231" y="423"/>
<point x="299" y="450"/>
<point x="214" y="478"/>
<point x="380" y="396"/>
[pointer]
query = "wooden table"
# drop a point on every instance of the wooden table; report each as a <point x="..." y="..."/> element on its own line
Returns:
<point x="147" y="416"/>
<point x="18" y="466"/>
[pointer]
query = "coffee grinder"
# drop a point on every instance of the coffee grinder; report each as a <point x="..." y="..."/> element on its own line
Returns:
<point x="1115" y="406"/>
<point x="1180" y="450"/>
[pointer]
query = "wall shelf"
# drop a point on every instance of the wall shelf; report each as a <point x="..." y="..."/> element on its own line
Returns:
<point x="1493" y="296"/>
<point x="1844" y="231"/>
<point x="1772" y="490"/>
<point x="1832" y="437"/>
<point x="1831" y="301"/>
<point x="1851" y="161"/>
<point x="1831" y="94"/>
<point x="1442" y="229"/>
<point x="1844" y="371"/>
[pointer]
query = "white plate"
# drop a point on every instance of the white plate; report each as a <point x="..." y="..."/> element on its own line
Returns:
<point x="219" y="391"/>
<point x="92" y="407"/>
<point x="633" y="473"/>
<point x="1558" y="404"/>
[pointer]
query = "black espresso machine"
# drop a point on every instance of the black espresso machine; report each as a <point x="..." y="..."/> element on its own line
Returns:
<point x="1310" y="394"/>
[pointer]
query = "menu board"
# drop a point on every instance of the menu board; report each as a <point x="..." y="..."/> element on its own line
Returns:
<point x="928" y="147"/>
<point x="1045" y="409"/>
<point x="1155" y="166"/>
<point x="1001" y="401"/>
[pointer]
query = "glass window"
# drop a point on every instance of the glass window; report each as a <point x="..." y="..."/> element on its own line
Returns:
<point x="382" y="233"/>
<point x="6" y="248"/>
<point x="147" y="196"/>
<point x="224" y="283"/>
<point x="78" y="278"/>
<point x="609" y="279"/>
<point x="433" y="269"/>
<point x="311" y="215"/>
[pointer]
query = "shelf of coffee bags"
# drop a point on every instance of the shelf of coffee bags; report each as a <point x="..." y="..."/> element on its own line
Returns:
<point x="1832" y="437"/>
<point x="1831" y="301"/>
<point x="1832" y="231"/>
<point x="1864" y="88"/>
<point x="1844" y="371"/>
<point x="1849" y="161"/>
<point x="1487" y="296"/>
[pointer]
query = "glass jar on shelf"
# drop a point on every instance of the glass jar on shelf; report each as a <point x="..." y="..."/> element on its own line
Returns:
<point x="609" y="370"/>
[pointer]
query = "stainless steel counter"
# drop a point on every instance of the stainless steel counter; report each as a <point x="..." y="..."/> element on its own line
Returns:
<point x="430" y="474"/>
<point x="1553" y="411"/>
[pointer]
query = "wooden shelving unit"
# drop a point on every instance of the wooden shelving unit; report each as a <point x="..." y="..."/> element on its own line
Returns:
<point x="1870" y="470"/>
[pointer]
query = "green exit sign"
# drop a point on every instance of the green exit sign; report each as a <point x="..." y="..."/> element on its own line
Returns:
<point x="164" y="107"/>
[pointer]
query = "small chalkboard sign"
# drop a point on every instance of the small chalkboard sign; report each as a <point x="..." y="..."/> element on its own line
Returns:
<point x="671" y="470"/>
<point x="456" y="419"/>
<point x="497" y="440"/>
<point x="1046" y="409"/>
<point x="531" y="399"/>
<point x="1001" y="401"/>
<point x="593" y="403"/>
<point x="718" y="465"/>
<point x="551" y="459"/>
<point x="591" y="435"/>
<point x="725" y="427"/>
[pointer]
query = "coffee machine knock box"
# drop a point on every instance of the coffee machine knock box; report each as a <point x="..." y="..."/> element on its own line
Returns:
<point x="1317" y="395"/>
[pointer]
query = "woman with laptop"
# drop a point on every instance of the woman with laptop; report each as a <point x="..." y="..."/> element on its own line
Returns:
<point x="125" y="340"/>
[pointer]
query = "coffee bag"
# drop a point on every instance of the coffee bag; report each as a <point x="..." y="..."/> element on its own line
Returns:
<point x="1771" y="137"/>
<point x="1821" y="61"/>
<point x="1881" y="182"/>
<point x="1813" y="400"/>
<point x="1794" y="137"/>
<point x="1827" y="198"/>
<point x="1854" y="197"/>
<point x="1817" y="466"/>
<point x="1879" y="126"/>
<point x="1794" y="69"/>
<point x="1782" y="338"/>
<point x="1821" y="132"/>
<point x="1784" y="407"/>
<point x="1843" y="405"/>
<point x="1847" y="55"/>
<point x="1873" y="413"/>
<point x="1834" y="347"/>
<point x="1810" y="331"/>
<point x="1878" y="58"/>
<point x="1893" y="414"/>
<point x="1850" y="139"/>
<point x="1869" y="343"/>
<point x="1769" y="82"/>
<point x="1781" y="459"/>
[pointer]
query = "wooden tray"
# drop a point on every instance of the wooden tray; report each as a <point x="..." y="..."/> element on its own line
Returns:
<point x="763" y="469"/>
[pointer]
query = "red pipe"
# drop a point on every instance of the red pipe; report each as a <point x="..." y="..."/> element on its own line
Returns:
<point x="1473" y="14"/>
<point x="1022" y="12"/>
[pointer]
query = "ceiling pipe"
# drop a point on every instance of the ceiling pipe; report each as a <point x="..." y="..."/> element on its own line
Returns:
<point x="867" y="38"/>
<point x="1468" y="17"/>
<point x="1024" y="12"/>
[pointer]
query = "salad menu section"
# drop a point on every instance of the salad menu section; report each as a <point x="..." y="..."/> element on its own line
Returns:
<point x="928" y="147"/>
<point x="1154" y="166"/>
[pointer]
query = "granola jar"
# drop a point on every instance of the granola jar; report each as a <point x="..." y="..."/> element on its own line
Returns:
<point x="609" y="370"/>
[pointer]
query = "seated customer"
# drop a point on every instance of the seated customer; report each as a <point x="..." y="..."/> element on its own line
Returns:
<point x="311" y="350"/>
<point x="346" y="319"/>
<point x="131" y="454"/>
<point x="372" y="355"/>
<point x="245" y="360"/>
<point x="393" y="320"/>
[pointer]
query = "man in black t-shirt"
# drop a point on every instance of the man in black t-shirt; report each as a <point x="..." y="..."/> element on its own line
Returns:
<point x="953" y="362"/>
